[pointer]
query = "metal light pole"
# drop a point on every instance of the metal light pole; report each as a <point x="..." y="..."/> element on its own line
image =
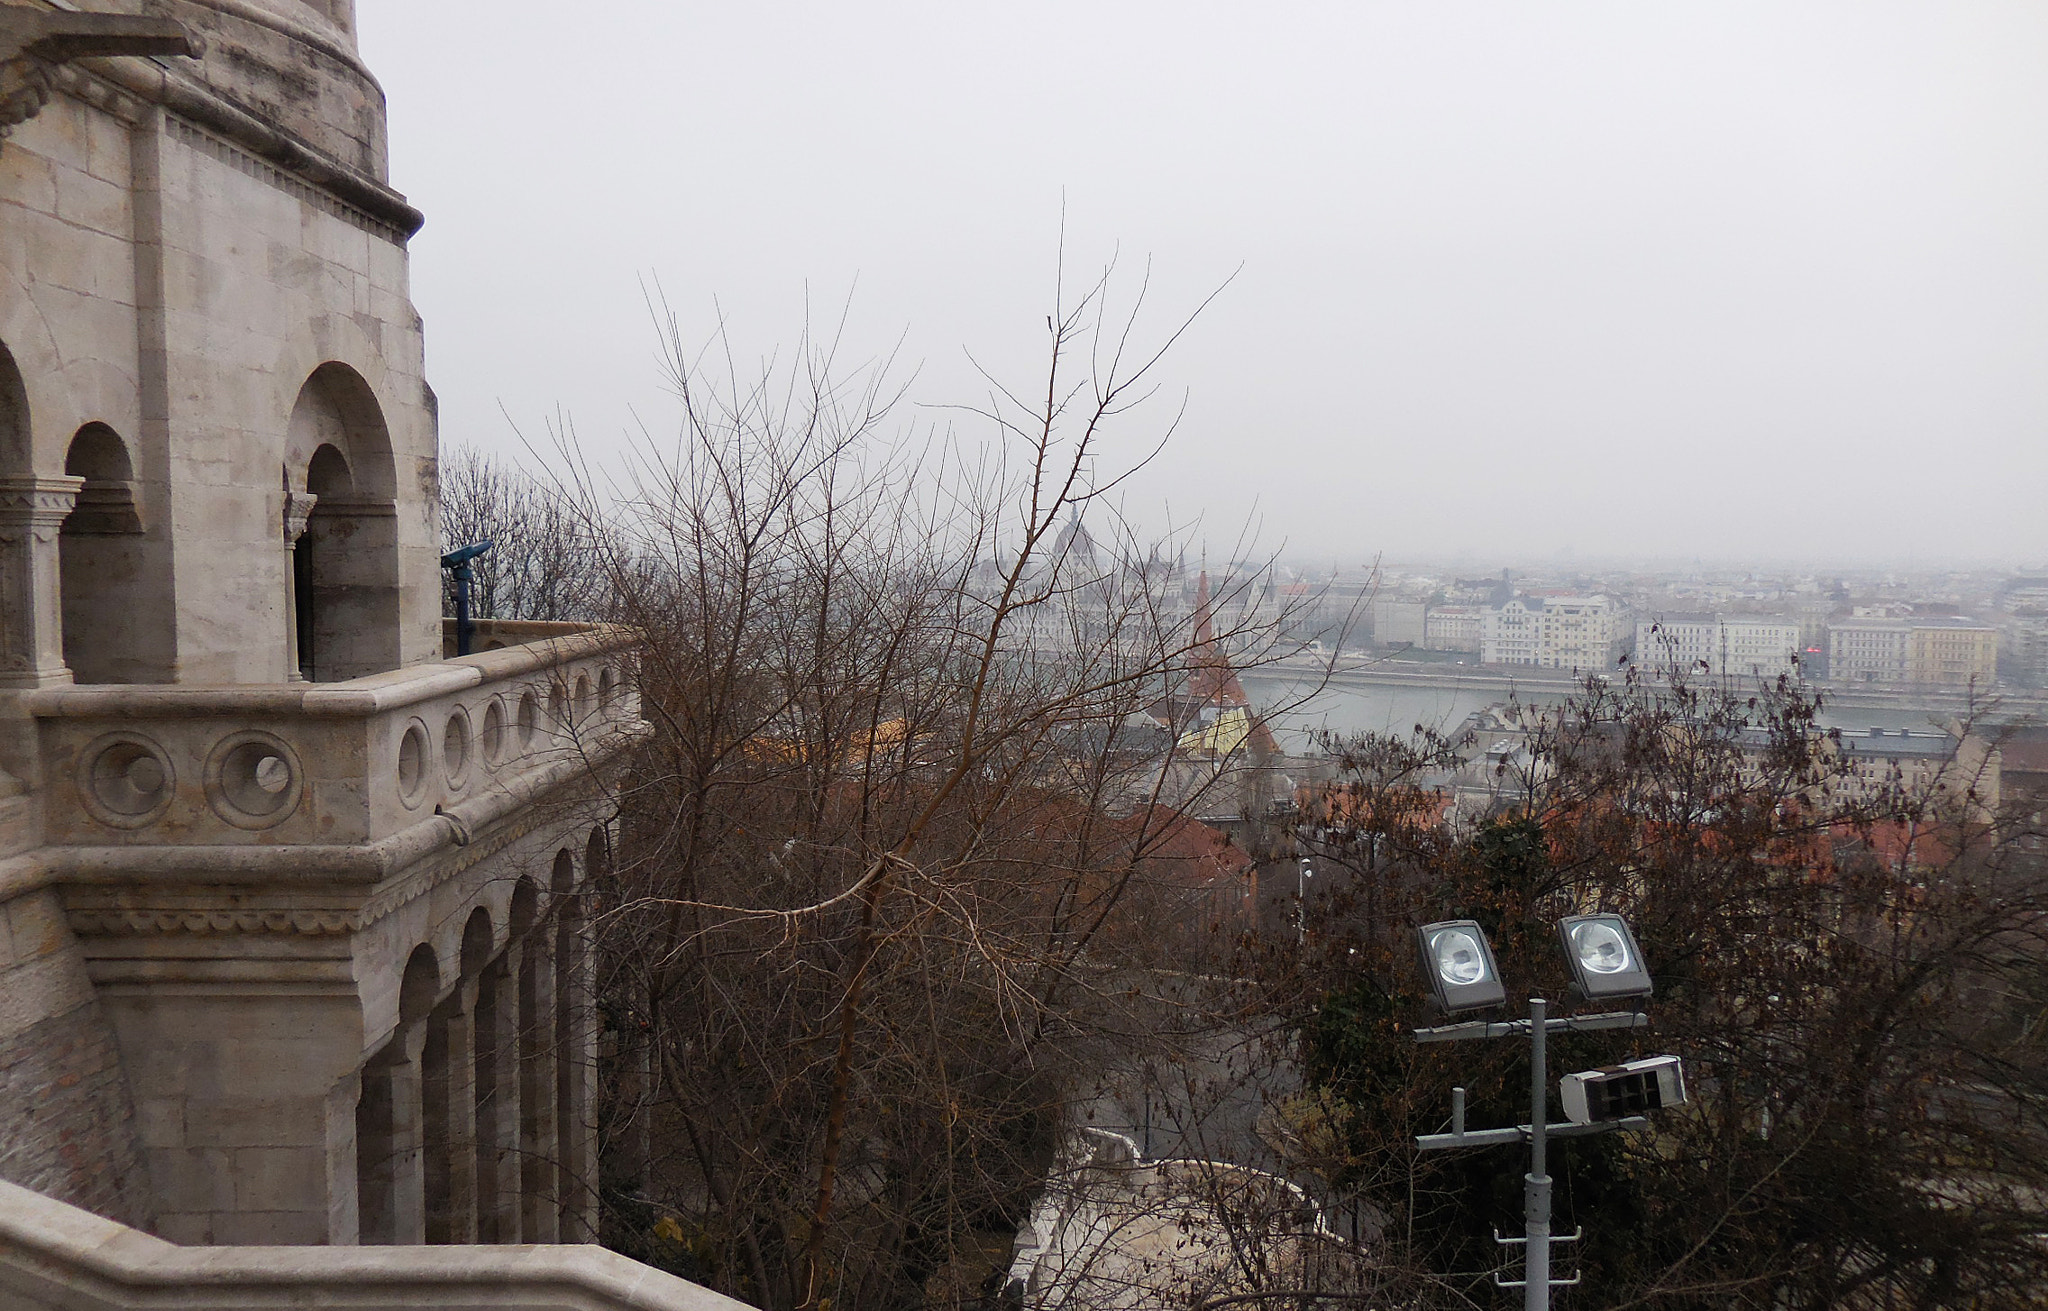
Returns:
<point x="1460" y="967"/>
<point x="1536" y="1238"/>
<point x="1536" y="1183"/>
<point x="1302" y="876"/>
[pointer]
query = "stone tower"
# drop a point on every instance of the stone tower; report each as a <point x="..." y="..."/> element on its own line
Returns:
<point x="289" y="939"/>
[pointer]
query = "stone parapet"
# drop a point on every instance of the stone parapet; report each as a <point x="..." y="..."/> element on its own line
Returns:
<point x="418" y="756"/>
<point x="55" y="1257"/>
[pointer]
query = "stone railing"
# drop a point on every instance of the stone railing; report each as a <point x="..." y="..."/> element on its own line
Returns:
<point x="415" y="756"/>
<point x="496" y="634"/>
<point x="55" y="1257"/>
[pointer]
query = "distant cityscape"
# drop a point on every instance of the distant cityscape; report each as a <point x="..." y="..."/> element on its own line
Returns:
<point x="1933" y="630"/>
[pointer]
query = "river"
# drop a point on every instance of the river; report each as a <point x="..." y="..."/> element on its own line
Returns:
<point x="1444" y="704"/>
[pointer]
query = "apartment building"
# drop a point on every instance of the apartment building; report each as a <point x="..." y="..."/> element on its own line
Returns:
<point x="1869" y="649"/>
<point x="1952" y="653"/>
<point x="1453" y="627"/>
<point x="1927" y="651"/>
<point x="1554" y="632"/>
<point x="1397" y="621"/>
<point x="1511" y="633"/>
<point x="1761" y="646"/>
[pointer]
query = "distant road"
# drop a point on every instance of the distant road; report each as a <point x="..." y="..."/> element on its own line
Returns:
<point x="1355" y="672"/>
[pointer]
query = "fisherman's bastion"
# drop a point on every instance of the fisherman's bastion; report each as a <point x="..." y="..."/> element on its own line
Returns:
<point x="292" y="1005"/>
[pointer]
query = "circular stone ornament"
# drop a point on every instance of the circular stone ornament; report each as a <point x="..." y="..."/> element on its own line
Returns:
<point x="253" y="779"/>
<point x="456" y="749"/>
<point x="413" y="763"/>
<point x="126" y="780"/>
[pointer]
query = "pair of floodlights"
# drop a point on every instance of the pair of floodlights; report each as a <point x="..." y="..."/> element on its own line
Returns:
<point x="1458" y="961"/>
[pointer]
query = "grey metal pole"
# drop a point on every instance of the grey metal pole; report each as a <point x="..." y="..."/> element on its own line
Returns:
<point x="1536" y="1185"/>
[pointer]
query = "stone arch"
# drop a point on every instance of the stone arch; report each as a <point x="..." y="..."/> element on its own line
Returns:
<point x="420" y="986"/>
<point x="476" y="943"/>
<point x="17" y="458"/>
<point x="525" y="906"/>
<point x="597" y="853"/>
<point x="117" y="627"/>
<point x="342" y="516"/>
<point x="562" y="881"/>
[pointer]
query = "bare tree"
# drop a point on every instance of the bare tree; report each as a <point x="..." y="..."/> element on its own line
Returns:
<point x="540" y="565"/>
<point x="887" y="856"/>
<point x="1850" y="967"/>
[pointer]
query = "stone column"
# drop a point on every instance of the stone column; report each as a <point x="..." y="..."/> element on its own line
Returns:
<point x="389" y="1132"/>
<point x="298" y="512"/>
<point x="32" y="512"/>
<point x="497" y="1101"/>
<point x="539" y="1144"/>
<point x="450" y="1102"/>
<point x="576" y="1087"/>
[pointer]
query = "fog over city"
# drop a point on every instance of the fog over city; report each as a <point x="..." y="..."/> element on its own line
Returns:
<point x="1560" y="281"/>
<point x="1369" y="656"/>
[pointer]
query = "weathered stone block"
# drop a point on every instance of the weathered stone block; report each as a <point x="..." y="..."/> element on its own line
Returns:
<point x="281" y="1179"/>
<point x="28" y="185"/>
<point x="254" y="1122"/>
<point x="36" y="927"/>
<point x="107" y="149"/>
<point x="38" y="989"/>
<point x="93" y="203"/>
<point x="189" y="1182"/>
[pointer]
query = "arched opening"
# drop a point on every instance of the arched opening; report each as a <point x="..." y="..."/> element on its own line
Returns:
<point x="392" y="1135"/>
<point x="476" y="943"/>
<point x="525" y="905"/>
<point x="31" y="621"/>
<point x="114" y="626"/>
<point x="14" y="439"/>
<point x="575" y="1062"/>
<point x="345" y="551"/>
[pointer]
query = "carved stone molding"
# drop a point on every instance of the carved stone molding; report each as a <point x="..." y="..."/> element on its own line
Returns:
<point x="156" y="923"/>
<point x="37" y="502"/>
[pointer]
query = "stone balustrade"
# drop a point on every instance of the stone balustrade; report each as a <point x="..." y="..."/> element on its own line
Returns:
<point x="55" y="1257"/>
<point x="355" y="766"/>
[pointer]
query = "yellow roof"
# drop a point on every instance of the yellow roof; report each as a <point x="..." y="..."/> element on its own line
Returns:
<point x="1221" y="737"/>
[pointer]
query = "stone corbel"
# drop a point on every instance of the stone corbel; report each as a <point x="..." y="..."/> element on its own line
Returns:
<point x="298" y="511"/>
<point x="34" y="43"/>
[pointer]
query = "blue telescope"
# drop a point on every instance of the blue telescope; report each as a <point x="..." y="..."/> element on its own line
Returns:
<point x="457" y="561"/>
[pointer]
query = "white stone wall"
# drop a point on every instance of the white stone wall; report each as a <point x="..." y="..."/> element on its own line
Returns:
<point x="318" y="938"/>
<point x="174" y="287"/>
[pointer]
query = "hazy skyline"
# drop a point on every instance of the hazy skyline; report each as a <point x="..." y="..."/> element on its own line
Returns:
<point x="1685" y="281"/>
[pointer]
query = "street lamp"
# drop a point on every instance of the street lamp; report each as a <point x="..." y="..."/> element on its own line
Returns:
<point x="1458" y="962"/>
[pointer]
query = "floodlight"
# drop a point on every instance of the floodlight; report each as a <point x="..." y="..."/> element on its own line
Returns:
<point x="1618" y="1091"/>
<point x="1459" y="965"/>
<point x="1604" y="957"/>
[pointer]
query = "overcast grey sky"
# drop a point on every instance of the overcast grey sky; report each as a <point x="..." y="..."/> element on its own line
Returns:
<point x="1719" y="279"/>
